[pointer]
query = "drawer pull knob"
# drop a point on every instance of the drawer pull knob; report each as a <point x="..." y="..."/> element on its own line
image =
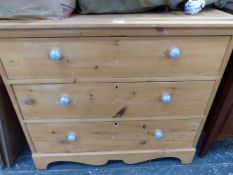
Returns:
<point x="64" y="100"/>
<point x="166" y="98"/>
<point x="55" y="54"/>
<point x="174" y="53"/>
<point x="159" y="134"/>
<point x="71" y="137"/>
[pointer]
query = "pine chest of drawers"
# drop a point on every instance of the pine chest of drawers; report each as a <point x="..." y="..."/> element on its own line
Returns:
<point x="136" y="87"/>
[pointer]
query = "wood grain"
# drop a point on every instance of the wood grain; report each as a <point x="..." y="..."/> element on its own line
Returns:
<point x="12" y="139"/>
<point x="115" y="68"/>
<point x="112" y="100"/>
<point x="112" y="57"/>
<point x="112" y="136"/>
<point x="177" y="117"/>
<point x="208" y="18"/>
<point x="100" y="32"/>
<point x="16" y="106"/>
<point x="111" y="80"/>
<point x="225" y="60"/>
<point x="218" y="125"/>
<point x="100" y="158"/>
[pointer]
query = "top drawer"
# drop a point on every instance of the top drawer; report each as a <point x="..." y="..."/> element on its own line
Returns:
<point x="112" y="57"/>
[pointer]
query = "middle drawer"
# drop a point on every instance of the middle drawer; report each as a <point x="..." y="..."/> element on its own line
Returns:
<point x="113" y="100"/>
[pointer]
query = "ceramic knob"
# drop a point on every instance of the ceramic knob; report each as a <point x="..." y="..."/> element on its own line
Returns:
<point x="174" y="53"/>
<point x="159" y="134"/>
<point x="71" y="137"/>
<point x="193" y="7"/>
<point x="166" y="98"/>
<point x="55" y="54"/>
<point x="64" y="100"/>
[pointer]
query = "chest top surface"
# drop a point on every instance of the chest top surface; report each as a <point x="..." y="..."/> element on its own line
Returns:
<point x="208" y="18"/>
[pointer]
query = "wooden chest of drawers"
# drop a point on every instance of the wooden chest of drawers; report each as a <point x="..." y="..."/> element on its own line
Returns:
<point x="136" y="87"/>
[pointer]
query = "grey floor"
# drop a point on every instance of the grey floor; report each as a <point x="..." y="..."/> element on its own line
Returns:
<point x="219" y="161"/>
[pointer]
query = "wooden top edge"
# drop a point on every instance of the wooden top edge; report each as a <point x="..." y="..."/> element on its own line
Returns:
<point x="207" y="18"/>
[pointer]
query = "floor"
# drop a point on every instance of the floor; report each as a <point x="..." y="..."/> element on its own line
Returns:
<point x="219" y="161"/>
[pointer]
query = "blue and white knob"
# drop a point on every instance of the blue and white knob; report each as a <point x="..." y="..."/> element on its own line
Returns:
<point x="71" y="137"/>
<point x="174" y="53"/>
<point x="166" y="98"/>
<point x="159" y="134"/>
<point x="55" y="54"/>
<point x="193" y="7"/>
<point x="64" y="100"/>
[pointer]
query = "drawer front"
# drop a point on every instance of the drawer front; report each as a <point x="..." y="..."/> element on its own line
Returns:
<point x="113" y="100"/>
<point x="112" y="57"/>
<point x="112" y="136"/>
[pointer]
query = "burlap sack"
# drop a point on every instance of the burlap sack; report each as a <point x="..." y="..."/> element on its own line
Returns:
<point x="229" y="7"/>
<point x="130" y="6"/>
<point x="122" y="6"/>
<point x="46" y="9"/>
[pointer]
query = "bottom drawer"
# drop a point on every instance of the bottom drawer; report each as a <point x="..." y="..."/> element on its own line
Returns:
<point x="113" y="136"/>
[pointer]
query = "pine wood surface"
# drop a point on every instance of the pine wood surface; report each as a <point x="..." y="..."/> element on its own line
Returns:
<point x="111" y="136"/>
<point x="103" y="32"/>
<point x="12" y="139"/>
<point x="118" y="57"/>
<point x="100" y="158"/>
<point x="113" y="100"/>
<point x="121" y="50"/>
<point x="207" y="18"/>
<point x="219" y="122"/>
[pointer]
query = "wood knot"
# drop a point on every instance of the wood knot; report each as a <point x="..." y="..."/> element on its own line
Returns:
<point x="30" y="101"/>
<point x="91" y="96"/>
<point x="143" y="142"/>
<point x="144" y="126"/>
<point x="120" y="113"/>
<point x="96" y="67"/>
